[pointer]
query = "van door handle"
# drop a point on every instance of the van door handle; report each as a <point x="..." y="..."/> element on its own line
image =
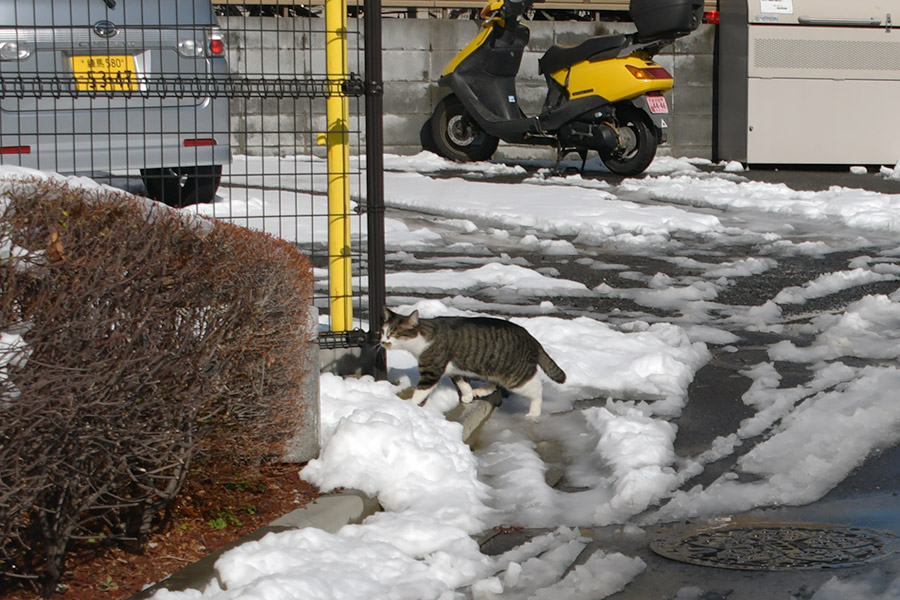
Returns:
<point x="837" y="22"/>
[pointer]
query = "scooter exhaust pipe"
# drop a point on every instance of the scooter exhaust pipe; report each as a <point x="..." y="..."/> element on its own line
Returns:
<point x="602" y="137"/>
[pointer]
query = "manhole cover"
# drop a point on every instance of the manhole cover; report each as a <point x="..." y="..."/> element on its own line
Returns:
<point x="771" y="546"/>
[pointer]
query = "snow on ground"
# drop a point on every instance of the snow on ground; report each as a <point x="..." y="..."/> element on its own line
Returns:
<point x="814" y="446"/>
<point x="621" y="454"/>
<point x="515" y="279"/>
<point x="627" y="380"/>
<point x="852" y="207"/>
<point x="590" y="214"/>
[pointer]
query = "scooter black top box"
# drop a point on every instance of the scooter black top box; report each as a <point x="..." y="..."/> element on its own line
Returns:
<point x="662" y="19"/>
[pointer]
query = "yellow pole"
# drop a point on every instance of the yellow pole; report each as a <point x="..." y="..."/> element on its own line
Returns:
<point x="338" y="115"/>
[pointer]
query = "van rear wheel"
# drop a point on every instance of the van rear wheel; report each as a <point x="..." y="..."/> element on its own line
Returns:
<point x="182" y="186"/>
<point x="457" y="136"/>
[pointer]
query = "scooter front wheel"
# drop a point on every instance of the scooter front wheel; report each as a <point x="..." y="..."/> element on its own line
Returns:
<point x="457" y="136"/>
<point x="639" y="143"/>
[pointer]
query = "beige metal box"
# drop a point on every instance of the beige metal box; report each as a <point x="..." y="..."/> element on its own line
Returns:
<point x="809" y="82"/>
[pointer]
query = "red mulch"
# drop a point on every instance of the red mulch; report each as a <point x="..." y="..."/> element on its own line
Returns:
<point x="211" y="511"/>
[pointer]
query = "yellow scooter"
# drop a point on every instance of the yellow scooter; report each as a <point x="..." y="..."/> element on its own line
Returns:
<point x="604" y="94"/>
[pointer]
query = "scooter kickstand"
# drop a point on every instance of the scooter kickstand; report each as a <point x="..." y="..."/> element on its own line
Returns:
<point x="582" y="152"/>
<point x="561" y="153"/>
<point x="557" y="168"/>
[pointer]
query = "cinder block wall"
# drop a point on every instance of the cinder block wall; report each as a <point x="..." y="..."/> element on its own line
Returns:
<point x="416" y="52"/>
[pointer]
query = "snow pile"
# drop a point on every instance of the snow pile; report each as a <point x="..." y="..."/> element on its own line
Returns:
<point x="830" y="283"/>
<point x="854" y="208"/>
<point x="813" y="448"/>
<point x="590" y="216"/>
<point x="413" y="460"/>
<point x="638" y="362"/>
<point x="428" y="162"/>
<point x="623" y="465"/>
<point x="420" y="547"/>
<point x="537" y="568"/>
<point x="869" y="328"/>
<point x="872" y="586"/>
<point x="891" y="173"/>
<point x="512" y="279"/>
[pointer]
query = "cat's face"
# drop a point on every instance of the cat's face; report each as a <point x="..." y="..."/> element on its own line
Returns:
<point x="401" y="332"/>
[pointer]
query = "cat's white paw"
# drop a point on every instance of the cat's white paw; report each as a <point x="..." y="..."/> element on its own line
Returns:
<point x="419" y="397"/>
<point x="466" y="394"/>
<point x="485" y="390"/>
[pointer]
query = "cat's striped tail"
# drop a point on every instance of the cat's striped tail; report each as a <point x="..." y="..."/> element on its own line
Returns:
<point x="550" y="367"/>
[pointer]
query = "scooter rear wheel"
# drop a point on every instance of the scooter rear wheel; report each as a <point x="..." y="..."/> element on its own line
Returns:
<point x="641" y="142"/>
<point x="457" y="136"/>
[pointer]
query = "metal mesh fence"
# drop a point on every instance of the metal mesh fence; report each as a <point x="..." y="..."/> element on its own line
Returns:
<point x="217" y="107"/>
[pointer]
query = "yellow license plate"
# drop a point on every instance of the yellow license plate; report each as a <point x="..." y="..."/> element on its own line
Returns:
<point x="105" y="73"/>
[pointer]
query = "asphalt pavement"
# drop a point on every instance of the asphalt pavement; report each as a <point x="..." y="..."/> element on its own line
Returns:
<point x="850" y="533"/>
<point x="818" y="178"/>
<point x="804" y="177"/>
<point x="765" y="554"/>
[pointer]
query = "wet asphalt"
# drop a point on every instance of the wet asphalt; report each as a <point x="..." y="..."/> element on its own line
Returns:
<point x="868" y="498"/>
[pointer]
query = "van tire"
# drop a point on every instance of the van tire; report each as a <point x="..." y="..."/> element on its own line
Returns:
<point x="183" y="186"/>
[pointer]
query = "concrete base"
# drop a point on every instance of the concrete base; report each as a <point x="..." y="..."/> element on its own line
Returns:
<point x="342" y="361"/>
<point x="305" y="442"/>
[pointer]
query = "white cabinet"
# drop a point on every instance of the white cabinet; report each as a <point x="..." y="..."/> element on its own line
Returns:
<point x="809" y="82"/>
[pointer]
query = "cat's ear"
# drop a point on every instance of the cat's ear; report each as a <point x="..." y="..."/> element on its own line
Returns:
<point x="413" y="319"/>
<point x="387" y="313"/>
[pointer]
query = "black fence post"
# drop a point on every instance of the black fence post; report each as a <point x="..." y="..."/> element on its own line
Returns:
<point x="375" y="182"/>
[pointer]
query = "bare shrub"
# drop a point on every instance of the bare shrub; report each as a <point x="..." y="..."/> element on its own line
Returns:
<point x="255" y="410"/>
<point x="132" y="337"/>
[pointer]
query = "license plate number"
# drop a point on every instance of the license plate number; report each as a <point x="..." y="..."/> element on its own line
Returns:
<point x="657" y="104"/>
<point x="105" y="73"/>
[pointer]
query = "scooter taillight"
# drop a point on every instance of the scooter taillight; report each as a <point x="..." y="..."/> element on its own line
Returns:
<point x="648" y="73"/>
<point x="711" y="17"/>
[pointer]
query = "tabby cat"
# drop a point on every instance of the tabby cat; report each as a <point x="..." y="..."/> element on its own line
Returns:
<point x="496" y="351"/>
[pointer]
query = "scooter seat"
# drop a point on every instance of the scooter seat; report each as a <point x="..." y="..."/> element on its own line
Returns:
<point x="560" y="57"/>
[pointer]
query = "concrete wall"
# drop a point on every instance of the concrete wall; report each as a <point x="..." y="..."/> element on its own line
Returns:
<point x="415" y="53"/>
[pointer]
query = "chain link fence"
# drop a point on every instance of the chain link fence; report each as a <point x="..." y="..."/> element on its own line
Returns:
<point x="219" y="108"/>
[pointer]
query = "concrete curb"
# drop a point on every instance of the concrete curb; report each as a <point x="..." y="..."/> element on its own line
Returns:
<point x="329" y="513"/>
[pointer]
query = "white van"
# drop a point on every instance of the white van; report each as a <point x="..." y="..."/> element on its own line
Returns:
<point x="116" y="86"/>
